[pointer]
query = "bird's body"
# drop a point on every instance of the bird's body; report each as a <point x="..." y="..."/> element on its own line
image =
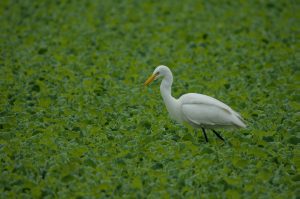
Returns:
<point x="197" y="110"/>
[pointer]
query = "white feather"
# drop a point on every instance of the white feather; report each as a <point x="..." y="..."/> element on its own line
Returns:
<point x="204" y="111"/>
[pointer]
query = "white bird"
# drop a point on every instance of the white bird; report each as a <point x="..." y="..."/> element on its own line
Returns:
<point x="197" y="110"/>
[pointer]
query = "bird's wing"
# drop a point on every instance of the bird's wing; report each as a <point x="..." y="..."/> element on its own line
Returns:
<point x="202" y="110"/>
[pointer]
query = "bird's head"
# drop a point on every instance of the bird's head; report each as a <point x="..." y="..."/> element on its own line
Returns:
<point x="160" y="71"/>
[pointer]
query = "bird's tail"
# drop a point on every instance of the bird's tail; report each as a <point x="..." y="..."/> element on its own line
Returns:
<point x="239" y="121"/>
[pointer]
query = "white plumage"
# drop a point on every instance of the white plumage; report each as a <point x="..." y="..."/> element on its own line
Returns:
<point x="198" y="110"/>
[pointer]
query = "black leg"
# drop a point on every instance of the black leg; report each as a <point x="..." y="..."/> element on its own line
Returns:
<point x="217" y="134"/>
<point x="204" y="133"/>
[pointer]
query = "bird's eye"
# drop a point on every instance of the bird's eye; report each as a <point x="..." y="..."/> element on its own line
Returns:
<point x="157" y="73"/>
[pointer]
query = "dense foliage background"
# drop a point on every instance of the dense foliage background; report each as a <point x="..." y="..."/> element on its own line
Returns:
<point x="75" y="120"/>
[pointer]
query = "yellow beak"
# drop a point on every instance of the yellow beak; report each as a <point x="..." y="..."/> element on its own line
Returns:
<point x="150" y="79"/>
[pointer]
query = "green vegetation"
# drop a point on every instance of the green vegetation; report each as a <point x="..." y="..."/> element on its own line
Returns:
<point x="76" y="122"/>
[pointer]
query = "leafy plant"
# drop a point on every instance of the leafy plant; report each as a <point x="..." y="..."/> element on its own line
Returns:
<point x="75" y="120"/>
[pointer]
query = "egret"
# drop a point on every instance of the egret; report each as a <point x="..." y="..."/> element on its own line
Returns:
<point x="196" y="110"/>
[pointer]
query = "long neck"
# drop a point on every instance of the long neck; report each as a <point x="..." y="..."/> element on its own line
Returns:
<point x="165" y="87"/>
<point x="170" y="102"/>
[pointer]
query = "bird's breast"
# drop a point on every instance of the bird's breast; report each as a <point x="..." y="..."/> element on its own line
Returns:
<point x="174" y="111"/>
